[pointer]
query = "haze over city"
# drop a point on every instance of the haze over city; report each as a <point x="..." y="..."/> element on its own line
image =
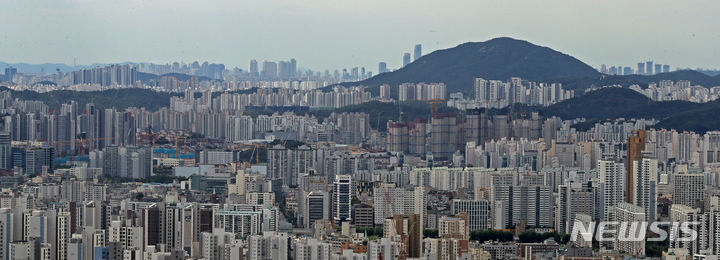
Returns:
<point x="359" y="130"/>
<point x="335" y="34"/>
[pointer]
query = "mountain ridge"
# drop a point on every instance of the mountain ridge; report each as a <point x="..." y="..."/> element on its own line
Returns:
<point x="118" y="98"/>
<point x="614" y="103"/>
<point x="495" y="59"/>
<point x="503" y="58"/>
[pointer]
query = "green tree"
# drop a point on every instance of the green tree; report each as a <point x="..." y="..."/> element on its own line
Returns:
<point x="490" y="235"/>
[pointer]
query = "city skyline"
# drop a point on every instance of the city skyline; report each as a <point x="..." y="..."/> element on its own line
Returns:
<point x="144" y="32"/>
<point x="235" y="129"/>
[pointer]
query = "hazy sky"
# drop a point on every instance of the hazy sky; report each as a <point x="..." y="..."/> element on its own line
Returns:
<point x="329" y="34"/>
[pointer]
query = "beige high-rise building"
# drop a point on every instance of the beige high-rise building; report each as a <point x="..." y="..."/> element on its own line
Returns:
<point x="629" y="213"/>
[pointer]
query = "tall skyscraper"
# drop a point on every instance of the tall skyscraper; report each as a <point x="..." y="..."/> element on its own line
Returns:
<point x="418" y="52"/>
<point x="666" y="68"/>
<point x="640" y="68"/>
<point x="658" y="68"/>
<point x="649" y="68"/>
<point x="10" y="73"/>
<point x="382" y="67"/>
<point x="342" y="203"/>
<point x="5" y="151"/>
<point x="254" y="68"/>
<point x="635" y="146"/>
<point x="293" y="68"/>
<point x="406" y="59"/>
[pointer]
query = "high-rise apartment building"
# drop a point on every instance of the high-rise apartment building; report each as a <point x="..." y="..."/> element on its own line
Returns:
<point x="406" y="59"/>
<point x="269" y="245"/>
<point x="628" y="213"/>
<point x="612" y="186"/>
<point x="129" y="162"/>
<point x="645" y="174"/>
<point x="444" y="136"/>
<point x="389" y="200"/>
<point x="688" y="188"/>
<point x="385" y="92"/>
<point x="112" y="75"/>
<point x="685" y="214"/>
<point x="481" y="90"/>
<point x="529" y="204"/>
<point x="269" y="70"/>
<point x="573" y="198"/>
<point x="309" y="249"/>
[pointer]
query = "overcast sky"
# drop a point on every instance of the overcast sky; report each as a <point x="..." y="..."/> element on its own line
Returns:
<point x="329" y="34"/>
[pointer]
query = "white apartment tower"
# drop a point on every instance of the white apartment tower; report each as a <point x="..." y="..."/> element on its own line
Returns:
<point x="688" y="188"/>
<point x="612" y="183"/>
<point x="645" y="173"/>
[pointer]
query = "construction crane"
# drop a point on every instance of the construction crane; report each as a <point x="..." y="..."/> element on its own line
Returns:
<point x="388" y="202"/>
<point x="403" y="253"/>
<point x="81" y="143"/>
<point x="256" y="151"/>
<point x="149" y="136"/>
<point x="56" y="144"/>
<point x="434" y="101"/>
<point x="177" y="148"/>
<point x="434" y="105"/>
